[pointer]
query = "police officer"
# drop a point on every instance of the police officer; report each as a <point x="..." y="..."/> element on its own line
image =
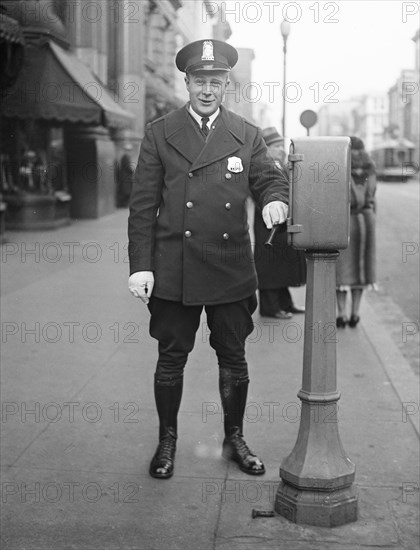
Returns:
<point x="189" y="245"/>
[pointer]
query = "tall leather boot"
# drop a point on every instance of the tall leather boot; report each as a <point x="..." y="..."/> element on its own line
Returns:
<point x="233" y="393"/>
<point x="168" y="393"/>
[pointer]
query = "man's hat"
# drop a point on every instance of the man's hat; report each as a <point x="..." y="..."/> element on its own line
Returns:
<point x="270" y="136"/>
<point x="206" y="55"/>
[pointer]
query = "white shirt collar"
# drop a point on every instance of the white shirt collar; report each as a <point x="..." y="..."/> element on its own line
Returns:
<point x="198" y="118"/>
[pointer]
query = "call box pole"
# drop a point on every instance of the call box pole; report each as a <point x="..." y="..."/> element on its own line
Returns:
<point x="317" y="477"/>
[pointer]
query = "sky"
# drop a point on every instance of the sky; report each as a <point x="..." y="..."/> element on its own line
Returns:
<point x="335" y="50"/>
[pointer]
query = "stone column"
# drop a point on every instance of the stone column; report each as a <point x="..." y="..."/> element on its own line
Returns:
<point x="126" y="28"/>
<point x="82" y="32"/>
<point x="90" y="171"/>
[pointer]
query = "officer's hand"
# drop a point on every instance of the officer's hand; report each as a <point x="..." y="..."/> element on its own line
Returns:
<point x="140" y="284"/>
<point x="274" y="213"/>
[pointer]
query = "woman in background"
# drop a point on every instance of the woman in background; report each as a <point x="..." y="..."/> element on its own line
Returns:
<point x="356" y="264"/>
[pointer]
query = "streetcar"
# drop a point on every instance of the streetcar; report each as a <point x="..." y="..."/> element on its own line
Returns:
<point x="395" y="160"/>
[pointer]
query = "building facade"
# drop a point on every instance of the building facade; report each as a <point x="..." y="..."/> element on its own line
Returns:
<point x="60" y="122"/>
<point x="337" y="119"/>
<point x="401" y="104"/>
<point x="366" y="116"/>
<point x="371" y="119"/>
<point x="94" y="74"/>
<point x="243" y="94"/>
<point x="380" y="118"/>
<point x="404" y="104"/>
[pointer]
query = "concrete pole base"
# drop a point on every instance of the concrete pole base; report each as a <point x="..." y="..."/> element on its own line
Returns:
<point x="317" y="507"/>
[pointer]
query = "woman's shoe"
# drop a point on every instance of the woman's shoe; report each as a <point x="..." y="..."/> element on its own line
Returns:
<point x="296" y="309"/>
<point x="281" y="314"/>
<point x="341" y="322"/>
<point x="354" y="319"/>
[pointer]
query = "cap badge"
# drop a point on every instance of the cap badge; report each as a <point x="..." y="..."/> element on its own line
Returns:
<point x="207" y="51"/>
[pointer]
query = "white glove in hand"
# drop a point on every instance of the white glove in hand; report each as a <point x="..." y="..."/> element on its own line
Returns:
<point x="140" y="284"/>
<point x="274" y="213"/>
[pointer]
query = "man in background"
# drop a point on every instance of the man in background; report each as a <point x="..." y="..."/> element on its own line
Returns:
<point x="281" y="265"/>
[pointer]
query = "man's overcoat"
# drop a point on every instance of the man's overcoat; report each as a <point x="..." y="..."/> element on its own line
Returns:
<point x="188" y="216"/>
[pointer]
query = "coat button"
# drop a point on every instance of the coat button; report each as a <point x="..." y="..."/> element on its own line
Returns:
<point x="189" y="204"/>
<point x="190" y="174"/>
<point x="228" y="176"/>
<point x="226" y="236"/>
<point x="187" y="234"/>
<point x="228" y="206"/>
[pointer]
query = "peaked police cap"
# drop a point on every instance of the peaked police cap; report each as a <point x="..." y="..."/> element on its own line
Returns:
<point x="206" y="55"/>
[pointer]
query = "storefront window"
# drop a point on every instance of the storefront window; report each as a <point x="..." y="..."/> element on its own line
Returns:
<point x="32" y="158"/>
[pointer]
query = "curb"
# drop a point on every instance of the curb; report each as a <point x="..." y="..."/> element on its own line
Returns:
<point x="401" y="376"/>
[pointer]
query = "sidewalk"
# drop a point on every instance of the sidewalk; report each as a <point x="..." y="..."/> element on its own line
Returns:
<point x="79" y="424"/>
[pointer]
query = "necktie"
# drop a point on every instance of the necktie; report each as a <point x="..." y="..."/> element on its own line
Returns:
<point x="204" y="126"/>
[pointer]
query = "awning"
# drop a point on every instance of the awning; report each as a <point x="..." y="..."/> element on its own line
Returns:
<point x="55" y="85"/>
<point x="10" y="30"/>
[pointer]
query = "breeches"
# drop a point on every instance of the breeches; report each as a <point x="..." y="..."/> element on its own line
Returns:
<point x="175" y="325"/>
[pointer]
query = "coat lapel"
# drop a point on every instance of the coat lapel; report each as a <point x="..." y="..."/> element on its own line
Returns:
<point x="226" y="139"/>
<point x="179" y="133"/>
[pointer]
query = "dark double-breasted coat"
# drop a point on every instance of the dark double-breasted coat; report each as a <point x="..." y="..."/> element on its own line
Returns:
<point x="188" y="217"/>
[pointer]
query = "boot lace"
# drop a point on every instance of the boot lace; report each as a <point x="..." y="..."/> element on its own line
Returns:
<point x="166" y="449"/>
<point x="241" y="447"/>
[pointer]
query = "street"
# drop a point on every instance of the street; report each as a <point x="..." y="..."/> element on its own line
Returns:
<point x="398" y="243"/>
<point x="397" y="300"/>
